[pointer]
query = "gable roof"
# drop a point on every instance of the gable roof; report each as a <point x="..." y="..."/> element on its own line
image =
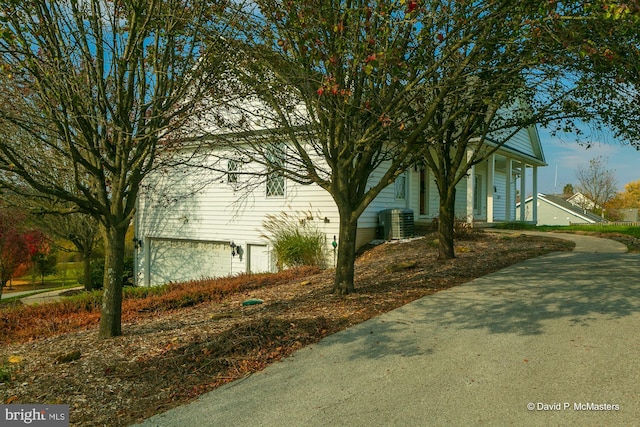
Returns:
<point x="567" y="207"/>
<point x="579" y="199"/>
<point x="524" y="144"/>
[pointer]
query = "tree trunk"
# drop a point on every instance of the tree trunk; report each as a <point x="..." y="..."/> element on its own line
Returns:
<point x="86" y="271"/>
<point x="343" y="284"/>
<point x="446" y="224"/>
<point x="111" y="314"/>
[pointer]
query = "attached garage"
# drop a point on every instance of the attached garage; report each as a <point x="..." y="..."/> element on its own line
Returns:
<point x="172" y="260"/>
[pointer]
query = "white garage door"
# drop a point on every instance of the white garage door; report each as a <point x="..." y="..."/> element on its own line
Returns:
<point x="183" y="260"/>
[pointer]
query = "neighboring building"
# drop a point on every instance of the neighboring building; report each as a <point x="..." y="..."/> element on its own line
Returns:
<point x="192" y="224"/>
<point x="554" y="210"/>
<point x="582" y="201"/>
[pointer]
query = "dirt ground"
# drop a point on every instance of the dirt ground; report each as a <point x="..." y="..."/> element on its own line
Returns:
<point x="169" y="359"/>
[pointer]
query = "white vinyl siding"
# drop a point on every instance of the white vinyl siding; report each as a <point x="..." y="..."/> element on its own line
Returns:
<point x="521" y="142"/>
<point x="385" y="200"/>
<point x="198" y="204"/>
<point x="499" y="196"/>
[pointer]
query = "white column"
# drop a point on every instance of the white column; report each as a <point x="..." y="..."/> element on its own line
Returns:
<point x="470" y="178"/>
<point x="523" y="194"/>
<point x="507" y="199"/>
<point x="534" y="201"/>
<point x="491" y="166"/>
<point x="408" y="194"/>
<point x="146" y="253"/>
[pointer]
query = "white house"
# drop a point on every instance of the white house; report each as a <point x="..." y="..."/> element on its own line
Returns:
<point x="192" y="223"/>
<point x="554" y="210"/>
<point x="582" y="201"/>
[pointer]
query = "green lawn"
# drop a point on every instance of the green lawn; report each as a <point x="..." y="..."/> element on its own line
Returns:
<point x="67" y="274"/>
<point x="622" y="229"/>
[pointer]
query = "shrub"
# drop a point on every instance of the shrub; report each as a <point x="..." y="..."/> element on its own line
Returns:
<point x="5" y="374"/>
<point x="515" y="226"/>
<point x="97" y="273"/>
<point x="23" y="323"/>
<point x="295" y="242"/>
<point x="461" y="229"/>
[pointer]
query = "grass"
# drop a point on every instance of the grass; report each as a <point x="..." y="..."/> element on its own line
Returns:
<point x="605" y="229"/>
<point x="295" y="243"/>
<point x="626" y="234"/>
<point x="621" y="229"/>
<point x="5" y="373"/>
<point x="67" y="274"/>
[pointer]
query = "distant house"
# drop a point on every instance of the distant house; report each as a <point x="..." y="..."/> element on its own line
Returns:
<point x="582" y="201"/>
<point x="554" y="210"/>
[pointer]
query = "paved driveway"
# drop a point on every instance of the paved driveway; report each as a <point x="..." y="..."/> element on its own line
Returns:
<point x="550" y="341"/>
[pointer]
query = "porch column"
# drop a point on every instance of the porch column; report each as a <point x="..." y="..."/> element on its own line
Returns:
<point x="470" y="179"/>
<point x="146" y="257"/>
<point x="491" y="166"/>
<point x="507" y="199"/>
<point x="534" y="201"/>
<point x="523" y="194"/>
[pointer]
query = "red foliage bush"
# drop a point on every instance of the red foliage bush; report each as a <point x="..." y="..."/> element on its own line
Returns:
<point x="24" y="323"/>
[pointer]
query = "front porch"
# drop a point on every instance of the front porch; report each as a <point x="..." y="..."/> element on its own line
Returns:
<point x="487" y="196"/>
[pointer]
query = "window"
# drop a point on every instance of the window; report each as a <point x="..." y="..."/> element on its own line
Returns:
<point x="233" y="166"/>
<point x="401" y="187"/>
<point x="275" y="161"/>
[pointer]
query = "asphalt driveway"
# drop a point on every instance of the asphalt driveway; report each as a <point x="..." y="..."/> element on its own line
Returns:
<point x="551" y="341"/>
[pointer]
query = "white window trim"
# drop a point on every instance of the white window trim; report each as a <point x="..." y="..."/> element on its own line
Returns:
<point x="271" y="175"/>
<point x="400" y="180"/>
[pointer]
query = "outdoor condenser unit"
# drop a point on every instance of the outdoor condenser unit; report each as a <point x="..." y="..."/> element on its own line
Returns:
<point x="396" y="223"/>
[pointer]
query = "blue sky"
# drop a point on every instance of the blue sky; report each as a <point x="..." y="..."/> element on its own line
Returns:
<point x="566" y="154"/>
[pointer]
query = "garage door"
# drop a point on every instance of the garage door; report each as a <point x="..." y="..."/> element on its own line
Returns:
<point x="183" y="260"/>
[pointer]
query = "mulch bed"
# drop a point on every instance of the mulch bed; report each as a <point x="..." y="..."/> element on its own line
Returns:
<point x="170" y="358"/>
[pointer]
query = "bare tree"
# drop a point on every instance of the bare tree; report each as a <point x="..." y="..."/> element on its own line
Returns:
<point x="359" y="91"/>
<point x="96" y="85"/>
<point x="81" y="230"/>
<point x="597" y="183"/>
<point x="322" y="91"/>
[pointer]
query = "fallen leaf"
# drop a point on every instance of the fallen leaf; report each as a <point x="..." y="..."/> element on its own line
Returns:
<point x="15" y="359"/>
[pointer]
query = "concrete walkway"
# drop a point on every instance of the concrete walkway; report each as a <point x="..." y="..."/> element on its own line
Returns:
<point x="550" y="341"/>
<point x="38" y="297"/>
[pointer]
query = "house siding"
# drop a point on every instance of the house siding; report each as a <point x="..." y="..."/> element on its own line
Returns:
<point x="521" y="142"/>
<point x="199" y="205"/>
<point x="188" y="209"/>
<point x="550" y="214"/>
<point x="499" y="197"/>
